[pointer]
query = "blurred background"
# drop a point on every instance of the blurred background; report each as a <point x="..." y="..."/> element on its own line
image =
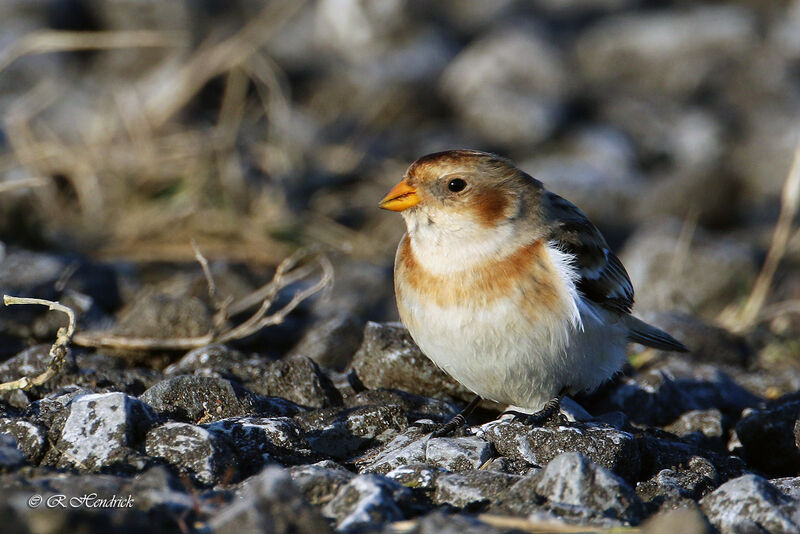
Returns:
<point x="130" y="127"/>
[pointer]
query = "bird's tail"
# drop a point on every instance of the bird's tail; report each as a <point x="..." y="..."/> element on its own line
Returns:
<point x="649" y="335"/>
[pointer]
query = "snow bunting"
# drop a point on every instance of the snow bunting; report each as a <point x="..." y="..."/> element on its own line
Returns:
<point x="508" y="287"/>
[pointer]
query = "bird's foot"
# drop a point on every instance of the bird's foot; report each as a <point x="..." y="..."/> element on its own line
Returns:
<point x="456" y="422"/>
<point x="550" y="412"/>
<point x="449" y="427"/>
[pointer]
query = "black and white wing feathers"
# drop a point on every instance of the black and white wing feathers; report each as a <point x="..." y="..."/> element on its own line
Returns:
<point x="603" y="278"/>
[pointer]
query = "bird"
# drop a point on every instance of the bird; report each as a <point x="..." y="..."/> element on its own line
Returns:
<point x="508" y="287"/>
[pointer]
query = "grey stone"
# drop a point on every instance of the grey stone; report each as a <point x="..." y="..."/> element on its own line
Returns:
<point x="789" y="486"/>
<point x="31" y="438"/>
<point x="751" y="504"/>
<point x="406" y="448"/>
<point x="509" y="86"/>
<point x="611" y="448"/>
<point x="659" y="452"/>
<point x="30" y="362"/>
<point x="420" y="476"/>
<point x="11" y="457"/>
<point x="703" y="427"/>
<point x="216" y="361"/>
<point x="768" y="438"/>
<point x="269" y="502"/>
<point x="205" y="399"/>
<point x="368" y="501"/>
<point x="678" y="385"/>
<point x="457" y="454"/>
<point x="573" y="484"/>
<point x="341" y="433"/>
<point x="52" y="410"/>
<point x="665" y="52"/>
<point x="104" y="431"/>
<point x="97" y="372"/>
<point x="471" y="489"/>
<point x="681" y="484"/>
<point x="416" y="406"/>
<point x="297" y="379"/>
<point x="106" y="373"/>
<point x="331" y="342"/>
<point x="320" y="482"/>
<point x="389" y="358"/>
<point x="160" y="492"/>
<point x="191" y="449"/>
<point x="592" y="158"/>
<point x="257" y="440"/>
<point x="360" y="30"/>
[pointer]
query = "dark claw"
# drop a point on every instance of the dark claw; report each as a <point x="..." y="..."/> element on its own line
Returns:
<point x="549" y="411"/>
<point x="447" y="428"/>
<point x="458" y="421"/>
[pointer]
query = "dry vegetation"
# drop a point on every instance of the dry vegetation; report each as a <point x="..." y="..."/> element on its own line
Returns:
<point x="133" y="166"/>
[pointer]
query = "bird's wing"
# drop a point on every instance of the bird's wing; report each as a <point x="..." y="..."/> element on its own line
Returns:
<point x="603" y="278"/>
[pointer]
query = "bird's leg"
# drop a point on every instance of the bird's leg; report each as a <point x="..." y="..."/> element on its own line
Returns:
<point x="457" y="421"/>
<point x="549" y="409"/>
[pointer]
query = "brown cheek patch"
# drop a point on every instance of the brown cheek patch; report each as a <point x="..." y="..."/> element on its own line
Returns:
<point x="489" y="206"/>
<point x="527" y="275"/>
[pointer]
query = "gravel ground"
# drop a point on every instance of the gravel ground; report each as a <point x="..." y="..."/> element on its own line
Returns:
<point x="671" y="124"/>
<point x="231" y="440"/>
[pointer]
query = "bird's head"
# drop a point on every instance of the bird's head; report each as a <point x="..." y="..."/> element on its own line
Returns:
<point x="460" y="192"/>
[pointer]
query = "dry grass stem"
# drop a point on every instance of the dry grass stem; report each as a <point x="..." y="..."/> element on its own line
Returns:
<point x="122" y="151"/>
<point x="522" y="525"/>
<point x="288" y="272"/>
<point x="790" y="203"/>
<point x="259" y="320"/>
<point x="41" y="42"/>
<point x="212" y="286"/>
<point x="26" y="183"/>
<point x="211" y="61"/>
<point x="768" y="313"/>
<point x="58" y="352"/>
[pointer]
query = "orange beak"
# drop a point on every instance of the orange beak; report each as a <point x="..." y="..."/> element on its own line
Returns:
<point x="401" y="197"/>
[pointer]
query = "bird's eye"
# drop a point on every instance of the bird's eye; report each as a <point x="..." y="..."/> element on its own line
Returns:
<point x="456" y="185"/>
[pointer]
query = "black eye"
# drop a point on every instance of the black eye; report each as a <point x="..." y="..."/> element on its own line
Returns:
<point x="456" y="185"/>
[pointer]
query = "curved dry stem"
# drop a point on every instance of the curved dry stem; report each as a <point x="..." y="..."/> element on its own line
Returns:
<point x="287" y="273"/>
<point x="790" y="203"/>
<point x="259" y="321"/>
<point x="58" y="352"/>
<point x="40" y="42"/>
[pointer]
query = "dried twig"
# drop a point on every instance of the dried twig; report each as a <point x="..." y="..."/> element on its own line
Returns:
<point x="790" y="203"/>
<point x="523" y="525"/>
<point x="26" y="183"/>
<point x="40" y="42"/>
<point x="58" y="352"/>
<point x="259" y="321"/>
<point x="212" y="287"/>
<point x="221" y="305"/>
<point x="215" y="60"/>
<point x="287" y="273"/>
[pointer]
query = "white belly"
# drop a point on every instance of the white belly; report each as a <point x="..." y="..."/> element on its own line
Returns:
<point x="495" y="352"/>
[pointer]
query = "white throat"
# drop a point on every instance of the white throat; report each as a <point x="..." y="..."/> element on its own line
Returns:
<point x="448" y="244"/>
